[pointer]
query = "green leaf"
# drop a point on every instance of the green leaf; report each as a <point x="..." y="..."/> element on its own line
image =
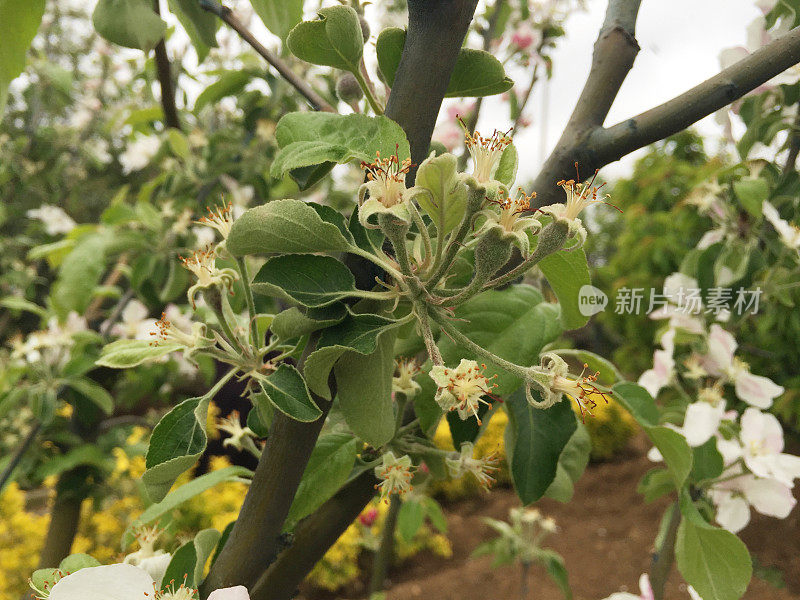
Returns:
<point x="536" y="438"/>
<point x="410" y="518"/>
<point x="177" y="442"/>
<point x="675" y="450"/>
<point x="707" y="462"/>
<point x="307" y="279"/>
<point x="334" y="39"/>
<point x="751" y="192"/>
<point x="80" y="274"/>
<point x="188" y="561"/>
<point x="365" y="391"/>
<point x="434" y="512"/>
<point x="19" y="22"/>
<point x="183" y="493"/>
<point x="557" y="571"/>
<point x="476" y="73"/>
<point x="672" y="445"/>
<point x="284" y="226"/>
<point x="567" y="273"/>
<point x="288" y="393"/>
<point x="129" y="23"/>
<point x="76" y="562"/>
<point x="656" y="483"/>
<point x="200" y="25"/>
<point x="514" y="324"/>
<point x="637" y="401"/>
<point x="293" y="322"/>
<point x="17" y="303"/>
<point x="507" y="167"/>
<point x="279" y="16"/>
<point x="228" y="84"/>
<point x="446" y="199"/>
<point x="124" y="354"/>
<point x="311" y="138"/>
<point x="327" y="470"/>
<point x="571" y="465"/>
<point x="94" y="392"/>
<point x="358" y="333"/>
<point x="713" y="561"/>
<point x="86" y="455"/>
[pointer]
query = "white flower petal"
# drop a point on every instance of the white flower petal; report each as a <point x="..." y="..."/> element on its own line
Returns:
<point x="108" y="582"/>
<point x="232" y="593"/>
<point x="733" y="513"/>
<point x="721" y="347"/>
<point x="756" y="390"/>
<point x="769" y="497"/>
<point x="761" y="430"/>
<point x="701" y="422"/>
<point x="645" y="588"/>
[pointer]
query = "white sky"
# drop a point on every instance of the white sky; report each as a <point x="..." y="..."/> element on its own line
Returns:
<point x="680" y="44"/>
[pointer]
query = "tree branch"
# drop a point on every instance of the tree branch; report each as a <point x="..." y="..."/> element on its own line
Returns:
<point x="436" y="30"/>
<point x="255" y="539"/>
<point x="794" y="144"/>
<point x="313" y="537"/>
<point x="600" y="146"/>
<point x="64" y="520"/>
<point x="163" y="70"/>
<point x="226" y="14"/>
<point x="18" y="454"/>
<point x="612" y="59"/>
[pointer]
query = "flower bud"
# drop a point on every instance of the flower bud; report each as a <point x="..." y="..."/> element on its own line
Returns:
<point x="365" y="32"/>
<point x="348" y="90"/>
<point x="492" y="252"/>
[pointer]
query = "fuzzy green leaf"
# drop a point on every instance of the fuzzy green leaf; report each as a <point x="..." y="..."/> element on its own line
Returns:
<point x="334" y="39"/>
<point x="129" y="23"/>
<point x="286" y="227"/>
<point x="279" y="16"/>
<point x="288" y="393"/>
<point x="445" y="196"/>
<point x="567" y="273"/>
<point x="124" y="354"/>
<point x="307" y="279"/>
<point x="19" y="22"/>
<point x="293" y="322"/>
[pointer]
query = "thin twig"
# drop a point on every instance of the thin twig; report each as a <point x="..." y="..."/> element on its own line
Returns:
<point x="20" y="452"/>
<point x="226" y="14"/>
<point x="165" y="80"/>
<point x="794" y="144"/>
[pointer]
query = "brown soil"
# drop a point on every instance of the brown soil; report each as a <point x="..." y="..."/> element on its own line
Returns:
<point x="606" y="535"/>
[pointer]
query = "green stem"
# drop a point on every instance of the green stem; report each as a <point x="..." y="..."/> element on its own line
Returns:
<point x="426" y="238"/>
<point x="373" y="103"/>
<point x="383" y="264"/>
<point x="460" y="338"/>
<point x="251" y="305"/>
<point x="556" y="236"/>
<point x="383" y="557"/>
<point x="665" y="555"/>
<point x="427" y="335"/>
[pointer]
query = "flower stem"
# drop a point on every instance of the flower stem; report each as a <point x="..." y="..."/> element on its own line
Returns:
<point x="251" y="305"/>
<point x="384" y="555"/>
<point x="373" y="103"/>
<point x="665" y="556"/>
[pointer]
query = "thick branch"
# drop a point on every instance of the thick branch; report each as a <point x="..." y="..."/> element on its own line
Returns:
<point x="312" y="538"/>
<point x="5" y="476"/>
<point x="165" y="80"/>
<point x="436" y="30"/>
<point x="599" y="147"/>
<point x="226" y="14"/>
<point x="612" y="59"/>
<point x="255" y="539"/>
<point x="64" y="519"/>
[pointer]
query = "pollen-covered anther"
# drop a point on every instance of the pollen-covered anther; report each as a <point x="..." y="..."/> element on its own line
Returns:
<point x="580" y="195"/>
<point x="462" y="389"/>
<point x="202" y="263"/>
<point x="390" y="176"/>
<point x="582" y="390"/>
<point x="219" y="218"/>
<point x="485" y="151"/>
<point x="395" y="475"/>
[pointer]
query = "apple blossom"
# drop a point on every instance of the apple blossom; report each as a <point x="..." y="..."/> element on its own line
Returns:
<point x="789" y="234"/>
<point x="463" y="462"/>
<point x="128" y="582"/>
<point x="663" y="366"/>
<point x="395" y="475"/>
<point x="720" y="361"/>
<point x="55" y="220"/>
<point x="386" y="186"/>
<point x="645" y="591"/>
<point x="486" y="152"/>
<point x="139" y="153"/>
<point x="461" y="389"/>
